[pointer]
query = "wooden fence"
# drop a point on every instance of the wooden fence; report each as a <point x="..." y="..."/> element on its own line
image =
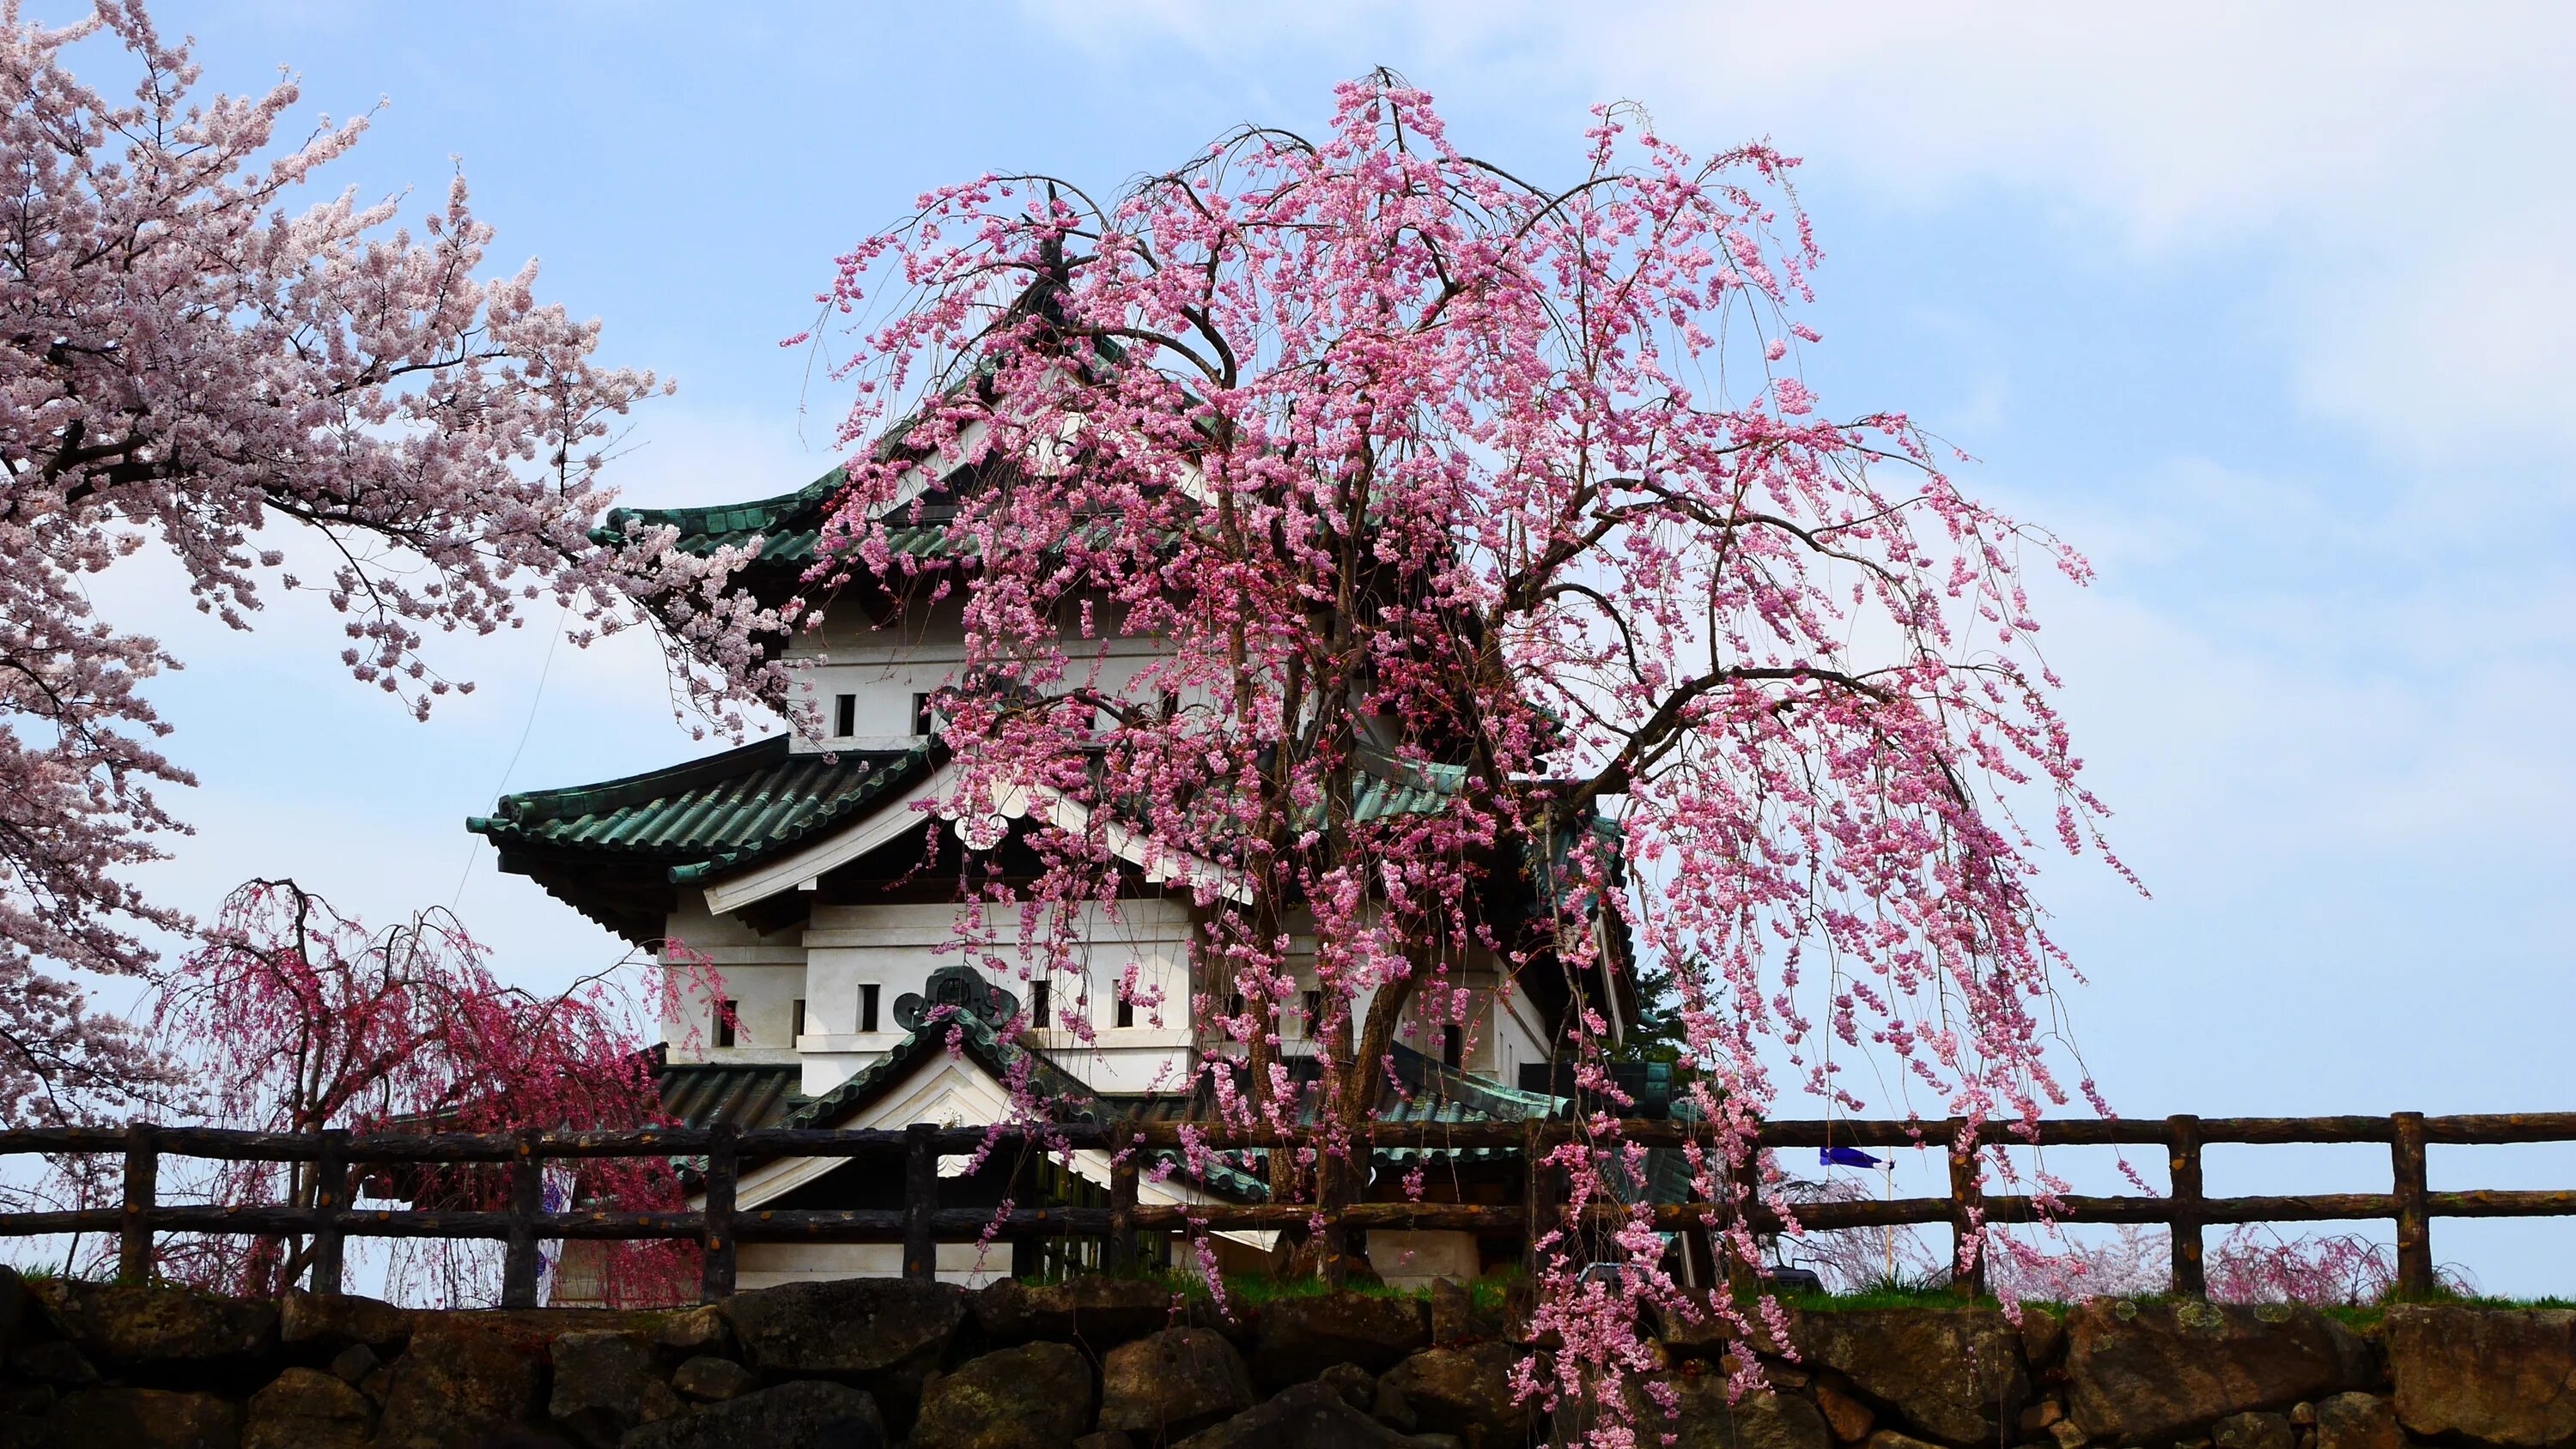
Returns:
<point x="921" y="1223"/>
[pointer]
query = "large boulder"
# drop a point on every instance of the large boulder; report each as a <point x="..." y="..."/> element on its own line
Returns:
<point x="1037" y="1396"/>
<point x="321" y="1325"/>
<point x="139" y="1324"/>
<point x="1096" y="1309"/>
<point x="15" y="1307"/>
<point x="53" y="1361"/>
<point x="804" y="1415"/>
<point x="600" y="1380"/>
<point x="884" y="1335"/>
<point x="1301" y="1337"/>
<point x="122" y="1418"/>
<point x="2358" y="1421"/>
<point x="306" y="1408"/>
<point x="1699" y="1324"/>
<point x="1169" y="1384"/>
<point x="1309" y="1416"/>
<point x="2144" y="1371"/>
<point x="1849" y="1418"/>
<point x="459" y="1383"/>
<point x="1453" y="1314"/>
<point x="1953" y="1374"/>
<point x="692" y="1332"/>
<point x="709" y="1379"/>
<point x="2043" y="1337"/>
<point x="353" y="1365"/>
<point x="1702" y="1418"/>
<point x="1463" y="1391"/>
<point x="2254" y="1431"/>
<point x="2507" y="1376"/>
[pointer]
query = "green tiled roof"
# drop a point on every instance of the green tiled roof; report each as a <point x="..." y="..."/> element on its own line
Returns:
<point x="1387" y="786"/>
<point x="709" y="815"/>
<point x="789" y="526"/>
<point x="747" y="1094"/>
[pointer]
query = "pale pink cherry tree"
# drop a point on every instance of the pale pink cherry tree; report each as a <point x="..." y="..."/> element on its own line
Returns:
<point x="2253" y="1263"/>
<point x="1409" y="468"/>
<point x="200" y="356"/>
<point x="300" y="1020"/>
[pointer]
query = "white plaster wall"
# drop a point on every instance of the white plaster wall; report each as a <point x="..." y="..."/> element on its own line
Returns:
<point x="1411" y="1260"/>
<point x="897" y="947"/>
<point x="763" y="974"/>
<point x="1503" y="1031"/>
<point x="1514" y="1037"/>
<point x="767" y="1265"/>
<point x="886" y="667"/>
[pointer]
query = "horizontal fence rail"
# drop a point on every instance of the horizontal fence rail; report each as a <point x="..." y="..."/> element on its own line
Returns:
<point x="921" y="1224"/>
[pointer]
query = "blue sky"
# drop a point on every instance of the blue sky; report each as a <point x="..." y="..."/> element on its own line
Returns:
<point x="2266" y="308"/>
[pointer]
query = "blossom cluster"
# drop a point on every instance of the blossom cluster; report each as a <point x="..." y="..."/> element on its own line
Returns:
<point x="319" y="1024"/>
<point x="195" y="361"/>
<point x="1406" y="469"/>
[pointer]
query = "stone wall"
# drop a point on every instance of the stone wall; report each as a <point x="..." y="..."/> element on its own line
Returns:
<point x="1111" y="1364"/>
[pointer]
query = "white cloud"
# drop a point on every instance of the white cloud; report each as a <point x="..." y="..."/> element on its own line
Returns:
<point x="2403" y="165"/>
<point x="2186" y="122"/>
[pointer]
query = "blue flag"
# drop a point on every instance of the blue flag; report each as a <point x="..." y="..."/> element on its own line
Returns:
<point x="1845" y="1157"/>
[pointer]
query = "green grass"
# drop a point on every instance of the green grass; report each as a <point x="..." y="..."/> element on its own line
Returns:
<point x="1937" y="1296"/>
<point x="1902" y="1290"/>
<point x="1881" y="1297"/>
<point x="1488" y="1293"/>
<point x="1492" y="1292"/>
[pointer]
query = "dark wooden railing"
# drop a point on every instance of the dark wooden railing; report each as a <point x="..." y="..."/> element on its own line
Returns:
<point x="921" y="1224"/>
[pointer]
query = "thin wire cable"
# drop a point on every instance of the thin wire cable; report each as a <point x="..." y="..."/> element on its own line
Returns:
<point x="474" y="851"/>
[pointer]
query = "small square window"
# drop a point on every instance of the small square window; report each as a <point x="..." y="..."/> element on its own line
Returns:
<point x="925" y="720"/>
<point x="799" y="1014"/>
<point x="845" y="716"/>
<point x="1453" y="1046"/>
<point x="1038" y="1005"/>
<point x="1234" y="1004"/>
<point x="1126" y="1012"/>
<point x="728" y="1016"/>
<point x="868" y="1007"/>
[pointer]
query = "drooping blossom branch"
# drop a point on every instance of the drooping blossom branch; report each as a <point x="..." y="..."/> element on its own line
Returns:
<point x="299" y="1019"/>
<point x="1315" y="480"/>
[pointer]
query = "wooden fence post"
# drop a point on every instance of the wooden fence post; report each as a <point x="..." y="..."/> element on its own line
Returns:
<point x="2414" y="1225"/>
<point x="1533" y="1197"/>
<point x="527" y="1198"/>
<point x="716" y="1281"/>
<point x="1966" y="1195"/>
<point x="1119" y="1254"/>
<point x="142" y="1187"/>
<point x="1333" y="1183"/>
<point x="920" y="1200"/>
<point x="1742" y="1275"/>
<point x="330" y="1204"/>
<point x="2184" y="1142"/>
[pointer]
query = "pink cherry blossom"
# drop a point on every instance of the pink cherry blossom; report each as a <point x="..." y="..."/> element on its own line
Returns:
<point x="200" y="356"/>
<point x="1407" y="468"/>
<point x="308" y="1021"/>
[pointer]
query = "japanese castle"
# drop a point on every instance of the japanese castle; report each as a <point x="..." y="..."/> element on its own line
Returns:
<point x="792" y="864"/>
